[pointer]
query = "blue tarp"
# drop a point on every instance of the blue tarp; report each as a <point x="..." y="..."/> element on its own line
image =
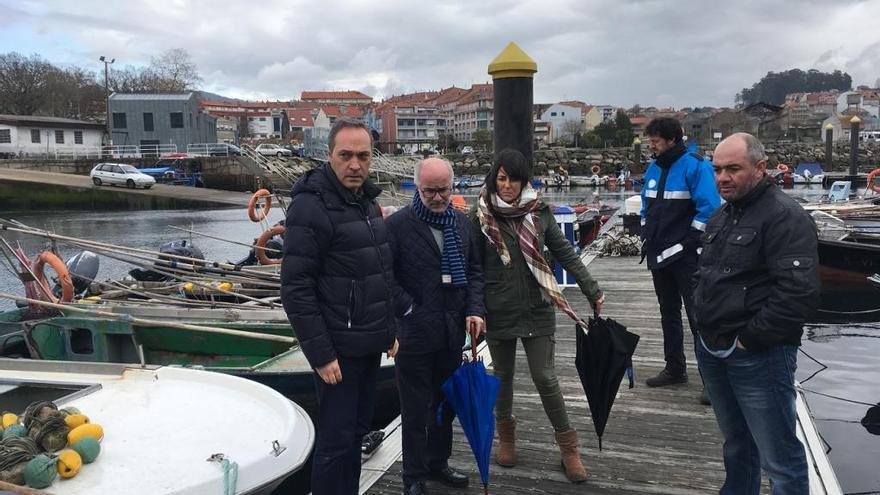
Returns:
<point x="814" y="168"/>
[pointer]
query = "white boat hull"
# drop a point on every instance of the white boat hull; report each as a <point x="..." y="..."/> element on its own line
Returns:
<point x="162" y="424"/>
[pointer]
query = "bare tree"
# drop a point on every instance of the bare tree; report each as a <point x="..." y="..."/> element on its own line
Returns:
<point x="175" y="71"/>
<point x="569" y="132"/>
<point x="23" y="83"/>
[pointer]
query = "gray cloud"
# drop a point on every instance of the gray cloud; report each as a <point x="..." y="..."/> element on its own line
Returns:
<point x="651" y="52"/>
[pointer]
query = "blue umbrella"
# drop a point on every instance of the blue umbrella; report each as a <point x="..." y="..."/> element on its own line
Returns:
<point x="472" y="393"/>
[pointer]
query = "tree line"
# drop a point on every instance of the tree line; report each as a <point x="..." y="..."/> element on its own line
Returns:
<point x="33" y="86"/>
<point x="773" y="87"/>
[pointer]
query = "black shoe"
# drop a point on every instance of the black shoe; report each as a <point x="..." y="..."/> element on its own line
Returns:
<point x="704" y="398"/>
<point x="664" y="378"/>
<point x="417" y="488"/>
<point x="450" y="477"/>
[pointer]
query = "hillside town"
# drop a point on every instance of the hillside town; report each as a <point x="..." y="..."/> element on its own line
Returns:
<point x="447" y="120"/>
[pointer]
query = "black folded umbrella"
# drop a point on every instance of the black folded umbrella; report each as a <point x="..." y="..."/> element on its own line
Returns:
<point x="604" y="354"/>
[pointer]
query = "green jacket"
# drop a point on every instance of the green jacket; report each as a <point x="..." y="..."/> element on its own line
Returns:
<point x="515" y="304"/>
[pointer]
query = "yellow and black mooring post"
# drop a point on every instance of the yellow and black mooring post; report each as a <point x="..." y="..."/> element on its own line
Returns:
<point x="513" y="74"/>
<point x="854" y="126"/>
<point x="829" y="144"/>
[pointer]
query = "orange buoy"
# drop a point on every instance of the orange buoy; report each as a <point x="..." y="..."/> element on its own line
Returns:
<point x="260" y="245"/>
<point x="252" y="205"/>
<point x="782" y="168"/>
<point x="459" y="203"/>
<point x="871" y="185"/>
<point x="595" y="169"/>
<point x="51" y="259"/>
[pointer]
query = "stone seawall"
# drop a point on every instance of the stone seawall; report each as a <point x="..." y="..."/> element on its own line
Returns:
<point x="579" y="161"/>
<point x="218" y="172"/>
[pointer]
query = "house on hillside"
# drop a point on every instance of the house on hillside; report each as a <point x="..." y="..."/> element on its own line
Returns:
<point x="31" y="135"/>
<point x="564" y="120"/>
<point x="336" y="97"/>
<point x="151" y="120"/>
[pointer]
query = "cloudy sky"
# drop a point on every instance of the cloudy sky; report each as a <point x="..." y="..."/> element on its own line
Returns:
<point x="620" y="52"/>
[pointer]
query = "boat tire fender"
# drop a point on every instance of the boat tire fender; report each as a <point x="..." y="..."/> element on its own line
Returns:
<point x="252" y="206"/>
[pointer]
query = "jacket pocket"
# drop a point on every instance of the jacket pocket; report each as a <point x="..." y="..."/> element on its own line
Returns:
<point x="742" y="250"/>
<point x="355" y="303"/>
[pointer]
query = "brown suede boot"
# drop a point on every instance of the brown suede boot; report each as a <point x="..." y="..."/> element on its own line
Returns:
<point x="505" y="455"/>
<point x="571" y="457"/>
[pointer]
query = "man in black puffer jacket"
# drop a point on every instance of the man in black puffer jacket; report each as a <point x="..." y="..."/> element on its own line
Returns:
<point x="338" y="290"/>
<point x="758" y="281"/>
<point x="436" y="261"/>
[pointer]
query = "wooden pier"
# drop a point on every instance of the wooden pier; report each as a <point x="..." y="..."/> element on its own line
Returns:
<point x="658" y="440"/>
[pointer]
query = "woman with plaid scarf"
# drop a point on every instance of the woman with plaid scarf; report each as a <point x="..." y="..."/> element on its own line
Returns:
<point x="521" y="295"/>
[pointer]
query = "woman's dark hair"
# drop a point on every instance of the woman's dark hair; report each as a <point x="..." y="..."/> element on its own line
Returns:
<point x="515" y="166"/>
<point x="666" y="128"/>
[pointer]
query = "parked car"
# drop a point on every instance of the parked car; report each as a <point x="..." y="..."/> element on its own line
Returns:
<point x="223" y="149"/>
<point x="297" y="150"/>
<point x="181" y="171"/>
<point x="467" y="150"/>
<point x="122" y="174"/>
<point x="273" y="150"/>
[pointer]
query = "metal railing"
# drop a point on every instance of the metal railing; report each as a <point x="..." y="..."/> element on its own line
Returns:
<point x="270" y="165"/>
<point x="115" y="151"/>
<point x="212" y="149"/>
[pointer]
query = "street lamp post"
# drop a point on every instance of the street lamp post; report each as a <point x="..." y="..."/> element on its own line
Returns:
<point x="107" y="94"/>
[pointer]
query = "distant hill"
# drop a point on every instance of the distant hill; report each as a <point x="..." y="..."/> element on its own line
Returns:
<point x="205" y="95"/>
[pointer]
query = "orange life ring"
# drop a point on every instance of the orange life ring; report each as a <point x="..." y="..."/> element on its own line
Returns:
<point x="782" y="168"/>
<point x="871" y="185"/>
<point x="595" y="169"/>
<point x="49" y="258"/>
<point x="260" y="245"/>
<point x="252" y="205"/>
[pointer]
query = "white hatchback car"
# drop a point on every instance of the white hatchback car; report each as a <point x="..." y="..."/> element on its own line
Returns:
<point x="122" y="174"/>
<point x="273" y="150"/>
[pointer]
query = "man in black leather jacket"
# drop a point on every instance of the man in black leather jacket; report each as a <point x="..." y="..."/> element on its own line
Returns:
<point x="756" y="285"/>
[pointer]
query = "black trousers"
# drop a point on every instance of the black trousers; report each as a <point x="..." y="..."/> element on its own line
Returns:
<point x="345" y="412"/>
<point x="427" y="439"/>
<point x="672" y="284"/>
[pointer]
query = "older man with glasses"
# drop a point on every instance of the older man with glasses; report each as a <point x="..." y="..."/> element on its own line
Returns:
<point x="437" y="263"/>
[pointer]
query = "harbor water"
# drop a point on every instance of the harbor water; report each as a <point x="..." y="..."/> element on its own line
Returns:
<point x="840" y="374"/>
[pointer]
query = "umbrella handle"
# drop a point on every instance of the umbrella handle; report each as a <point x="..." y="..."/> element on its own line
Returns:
<point x="473" y="331"/>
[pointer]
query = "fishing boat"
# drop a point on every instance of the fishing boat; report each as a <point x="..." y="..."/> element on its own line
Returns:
<point x="848" y="258"/>
<point x="808" y="173"/>
<point x="587" y="180"/>
<point x="258" y="347"/>
<point x="167" y="430"/>
<point x="874" y="280"/>
<point x="469" y="182"/>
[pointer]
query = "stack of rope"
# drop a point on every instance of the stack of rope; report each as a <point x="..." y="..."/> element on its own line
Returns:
<point x="618" y="244"/>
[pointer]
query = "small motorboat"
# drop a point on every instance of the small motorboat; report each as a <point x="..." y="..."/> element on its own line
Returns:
<point x="166" y="429"/>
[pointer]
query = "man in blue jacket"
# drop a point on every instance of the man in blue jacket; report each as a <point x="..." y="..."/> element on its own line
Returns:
<point x="678" y="198"/>
<point x="437" y="263"/>
<point x="338" y="290"/>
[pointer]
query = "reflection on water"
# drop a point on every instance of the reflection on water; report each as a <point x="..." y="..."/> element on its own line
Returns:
<point x="852" y="379"/>
<point x="849" y="351"/>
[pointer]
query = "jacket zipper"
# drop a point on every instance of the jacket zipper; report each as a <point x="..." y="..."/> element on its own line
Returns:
<point x="350" y="302"/>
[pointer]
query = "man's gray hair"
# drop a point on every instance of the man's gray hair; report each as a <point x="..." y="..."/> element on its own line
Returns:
<point x="754" y="148"/>
<point x="346" y="123"/>
<point x="448" y="166"/>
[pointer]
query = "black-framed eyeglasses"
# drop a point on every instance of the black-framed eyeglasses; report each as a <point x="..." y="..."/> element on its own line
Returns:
<point x="433" y="191"/>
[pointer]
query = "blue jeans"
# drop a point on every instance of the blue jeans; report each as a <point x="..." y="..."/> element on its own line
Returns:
<point x="754" y="400"/>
